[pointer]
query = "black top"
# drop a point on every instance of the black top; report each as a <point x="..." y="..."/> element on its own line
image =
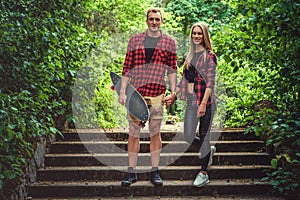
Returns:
<point x="190" y="73"/>
<point x="150" y="45"/>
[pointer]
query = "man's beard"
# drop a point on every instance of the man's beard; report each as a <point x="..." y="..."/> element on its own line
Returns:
<point x="154" y="30"/>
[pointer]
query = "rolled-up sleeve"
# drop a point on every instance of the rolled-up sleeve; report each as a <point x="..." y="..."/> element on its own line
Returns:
<point x="128" y="63"/>
<point x="172" y="58"/>
<point x="211" y="71"/>
<point x="182" y="86"/>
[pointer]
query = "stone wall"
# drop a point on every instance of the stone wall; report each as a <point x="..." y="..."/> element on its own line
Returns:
<point x="20" y="193"/>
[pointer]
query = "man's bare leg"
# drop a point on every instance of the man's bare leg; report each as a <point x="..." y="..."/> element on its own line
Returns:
<point x="155" y="149"/>
<point x="133" y="150"/>
<point x="155" y="141"/>
<point x="133" y="143"/>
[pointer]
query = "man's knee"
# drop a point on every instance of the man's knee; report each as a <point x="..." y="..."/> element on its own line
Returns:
<point x="154" y="126"/>
<point x="134" y="129"/>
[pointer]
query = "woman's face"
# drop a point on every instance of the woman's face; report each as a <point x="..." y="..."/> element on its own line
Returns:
<point x="197" y="35"/>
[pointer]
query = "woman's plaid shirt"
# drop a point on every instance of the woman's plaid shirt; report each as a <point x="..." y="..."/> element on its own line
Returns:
<point x="205" y="78"/>
<point x="149" y="79"/>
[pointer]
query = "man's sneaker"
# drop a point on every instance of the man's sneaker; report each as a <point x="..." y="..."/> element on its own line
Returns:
<point x="201" y="180"/>
<point x="212" y="152"/>
<point x="155" y="178"/>
<point x="131" y="177"/>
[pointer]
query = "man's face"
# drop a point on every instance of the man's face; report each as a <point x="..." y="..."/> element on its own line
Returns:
<point x="154" y="21"/>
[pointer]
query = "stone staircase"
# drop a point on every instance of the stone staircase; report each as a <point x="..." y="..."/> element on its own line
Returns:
<point x="92" y="163"/>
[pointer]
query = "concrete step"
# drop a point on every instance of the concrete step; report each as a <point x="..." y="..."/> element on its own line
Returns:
<point x="155" y="197"/>
<point x="104" y="173"/>
<point x="174" y="159"/>
<point x="170" y="197"/>
<point x="145" y="189"/>
<point x="122" y="135"/>
<point x="173" y="146"/>
<point x="92" y="163"/>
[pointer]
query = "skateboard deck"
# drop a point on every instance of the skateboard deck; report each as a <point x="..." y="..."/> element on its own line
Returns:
<point x="135" y="103"/>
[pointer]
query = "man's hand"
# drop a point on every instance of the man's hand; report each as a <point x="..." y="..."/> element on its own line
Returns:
<point x="169" y="100"/>
<point x="122" y="98"/>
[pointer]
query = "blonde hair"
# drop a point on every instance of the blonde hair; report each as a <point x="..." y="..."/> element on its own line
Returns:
<point x="206" y="43"/>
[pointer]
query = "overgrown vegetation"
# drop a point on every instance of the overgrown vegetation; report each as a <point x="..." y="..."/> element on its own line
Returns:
<point x="262" y="45"/>
<point x="43" y="43"/>
<point x="50" y="50"/>
<point x="114" y="22"/>
<point x="43" y="46"/>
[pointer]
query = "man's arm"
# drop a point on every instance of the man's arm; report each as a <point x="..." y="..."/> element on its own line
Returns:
<point x="124" y="84"/>
<point x="172" y="82"/>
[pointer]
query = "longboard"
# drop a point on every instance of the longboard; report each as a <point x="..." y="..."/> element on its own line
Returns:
<point x="135" y="103"/>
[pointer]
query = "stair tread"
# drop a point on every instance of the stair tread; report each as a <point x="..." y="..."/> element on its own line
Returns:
<point x="147" y="183"/>
<point x="84" y="168"/>
<point x="148" y="154"/>
<point x="163" y="130"/>
<point x="178" y="197"/>
<point x="147" y="142"/>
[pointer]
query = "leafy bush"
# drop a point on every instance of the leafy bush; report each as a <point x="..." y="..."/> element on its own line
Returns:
<point x="244" y="87"/>
<point x="42" y="46"/>
<point x="115" y="21"/>
<point x="282" y="135"/>
<point x="265" y="35"/>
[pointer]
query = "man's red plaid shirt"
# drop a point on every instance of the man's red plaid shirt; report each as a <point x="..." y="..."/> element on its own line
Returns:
<point x="204" y="78"/>
<point x="149" y="79"/>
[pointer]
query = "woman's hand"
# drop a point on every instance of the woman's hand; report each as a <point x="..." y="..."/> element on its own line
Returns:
<point x="169" y="100"/>
<point x="201" y="110"/>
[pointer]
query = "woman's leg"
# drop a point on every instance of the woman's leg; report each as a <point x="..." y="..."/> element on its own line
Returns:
<point x="190" y="123"/>
<point x="204" y="132"/>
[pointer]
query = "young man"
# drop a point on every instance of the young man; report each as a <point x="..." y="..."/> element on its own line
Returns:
<point x="150" y="56"/>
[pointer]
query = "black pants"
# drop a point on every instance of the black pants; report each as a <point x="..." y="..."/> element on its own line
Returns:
<point x="190" y="125"/>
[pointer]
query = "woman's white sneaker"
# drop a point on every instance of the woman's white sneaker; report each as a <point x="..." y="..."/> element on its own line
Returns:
<point x="201" y="180"/>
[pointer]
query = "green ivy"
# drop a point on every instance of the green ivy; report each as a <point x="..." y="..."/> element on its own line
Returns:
<point x="264" y="35"/>
<point x="43" y="43"/>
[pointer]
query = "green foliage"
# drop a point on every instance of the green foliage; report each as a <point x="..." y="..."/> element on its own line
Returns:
<point x="123" y="20"/>
<point x="117" y="16"/>
<point x="282" y="181"/>
<point x="265" y="35"/>
<point x="244" y="87"/>
<point x="188" y="12"/>
<point x="42" y="46"/>
<point x="94" y="102"/>
<point x="46" y="48"/>
<point x="282" y="135"/>
<point x="20" y="129"/>
<point x="211" y="11"/>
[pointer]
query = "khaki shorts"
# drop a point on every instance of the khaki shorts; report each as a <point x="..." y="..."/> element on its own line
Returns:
<point x="155" y="105"/>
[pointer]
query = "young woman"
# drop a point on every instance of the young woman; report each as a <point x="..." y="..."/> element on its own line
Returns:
<point x="197" y="87"/>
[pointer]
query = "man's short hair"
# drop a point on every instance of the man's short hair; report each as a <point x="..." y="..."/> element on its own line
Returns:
<point x="154" y="10"/>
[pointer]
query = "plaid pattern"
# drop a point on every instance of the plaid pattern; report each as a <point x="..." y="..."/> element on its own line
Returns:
<point x="205" y="78"/>
<point x="149" y="79"/>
